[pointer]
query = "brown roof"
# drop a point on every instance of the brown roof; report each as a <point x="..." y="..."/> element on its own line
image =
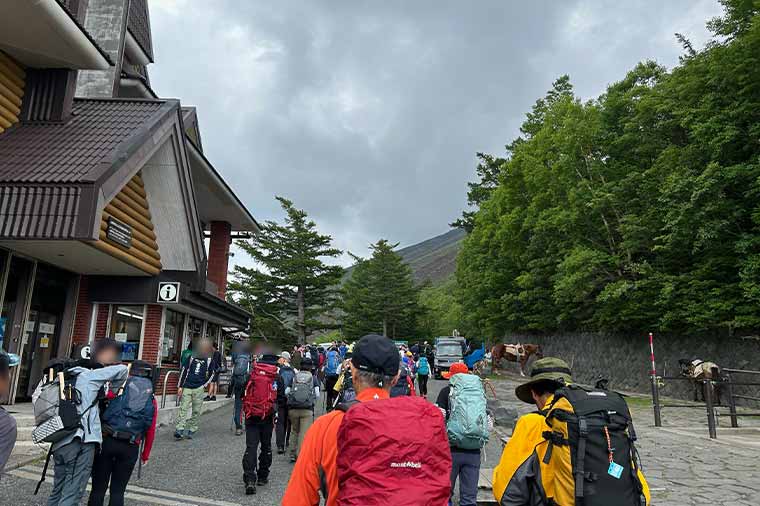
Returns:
<point x="50" y="172"/>
<point x="73" y="151"/>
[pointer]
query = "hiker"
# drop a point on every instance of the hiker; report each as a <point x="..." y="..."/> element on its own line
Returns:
<point x="463" y="402"/>
<point x="128" y="423"/>
<point x="193" y="379"/>
<point x="416" y="425"/>
<point x="332" y="370"/>
<point x="186" y="353"/>
<point x="216" y="366"/>
<point x="241" y="372"/>
<point x="73" y="455"/>
<point x="259" y="407"/>
<point x="423" y="372"/>
<point x="344" y="387"/>
<point x="301" y="397"/>
<point x="285" y="377"/>
<point x="403" y="386"/>
<point x="8" y="431"/>
<point x="536" y="467"/>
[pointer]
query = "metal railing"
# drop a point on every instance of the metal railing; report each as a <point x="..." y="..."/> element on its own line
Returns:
<point x="163" y="391"/>
<point x="708" y="390"/>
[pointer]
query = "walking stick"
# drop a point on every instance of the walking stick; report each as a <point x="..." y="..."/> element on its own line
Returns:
<point x="139" y="459"/>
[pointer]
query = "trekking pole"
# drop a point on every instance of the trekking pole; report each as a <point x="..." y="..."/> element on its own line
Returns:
<point x="139" y="459"/>
<point x="121" y="388"/>
<point x="655" y="386"/>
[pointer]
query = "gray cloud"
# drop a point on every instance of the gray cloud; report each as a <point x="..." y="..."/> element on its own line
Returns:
<point x="368" y="114"/>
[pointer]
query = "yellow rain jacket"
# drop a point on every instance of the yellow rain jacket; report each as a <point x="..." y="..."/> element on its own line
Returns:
<point x="523" y="479"/>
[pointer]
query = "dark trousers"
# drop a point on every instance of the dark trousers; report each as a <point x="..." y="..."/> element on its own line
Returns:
<point x="466" y="467"/>
<point x="282" y="431"/>
<point x="330" y="394"/>
<point x="422" y="380"/>
<point x="114" y="463"/>
<point x="257" y="432"/>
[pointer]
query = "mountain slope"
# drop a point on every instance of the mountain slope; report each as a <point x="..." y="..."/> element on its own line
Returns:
<point x="435" y="258"/>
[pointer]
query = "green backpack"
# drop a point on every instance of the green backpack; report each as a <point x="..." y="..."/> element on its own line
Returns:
<point x="467" y="426"/>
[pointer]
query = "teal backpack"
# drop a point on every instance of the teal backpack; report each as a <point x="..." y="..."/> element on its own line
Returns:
<point x="467" y="425"/>
<point x="424" y="367"/>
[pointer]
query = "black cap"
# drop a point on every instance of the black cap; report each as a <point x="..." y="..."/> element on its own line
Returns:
<point x="376" y="354"/>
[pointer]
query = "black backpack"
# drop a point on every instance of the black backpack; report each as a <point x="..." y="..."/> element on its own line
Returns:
<point x="602" y="440"/>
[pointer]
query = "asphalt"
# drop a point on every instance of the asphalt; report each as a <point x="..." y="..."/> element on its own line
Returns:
<point x="205" y="471"/>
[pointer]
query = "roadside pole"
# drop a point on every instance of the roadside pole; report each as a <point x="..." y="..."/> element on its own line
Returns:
<point x="655" y="387"/>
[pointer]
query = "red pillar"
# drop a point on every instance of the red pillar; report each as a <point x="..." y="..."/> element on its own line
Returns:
<point x="83" y="316"/>
<point x="152" y="333"/>
<point x="218" y="255"/>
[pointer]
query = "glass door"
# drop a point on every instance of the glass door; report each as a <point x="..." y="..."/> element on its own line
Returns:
<point x="43" y="327"/>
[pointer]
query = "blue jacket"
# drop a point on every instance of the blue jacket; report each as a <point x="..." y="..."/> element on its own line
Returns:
<point x="197" y="373"/>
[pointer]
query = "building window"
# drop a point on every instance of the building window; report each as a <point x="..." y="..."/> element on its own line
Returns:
<point x="212" y="332"/>
<point x="173" y="332"/>
<point x="126" y="327"/>
<point x="195" y="329"/>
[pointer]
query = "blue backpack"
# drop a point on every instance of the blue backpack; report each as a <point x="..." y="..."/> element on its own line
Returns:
<point x="424" y="367"/>
<point x="130" y="415"/>
<point x="331" y="367"/>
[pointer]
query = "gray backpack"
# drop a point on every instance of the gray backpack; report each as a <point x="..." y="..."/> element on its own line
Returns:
<point x="301" y="395"/>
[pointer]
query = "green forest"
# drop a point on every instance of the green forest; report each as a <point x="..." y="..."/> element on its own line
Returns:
<point x="637" y="210"/>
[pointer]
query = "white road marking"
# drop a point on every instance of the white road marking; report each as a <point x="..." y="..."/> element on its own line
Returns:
<point x="148" y="495"/>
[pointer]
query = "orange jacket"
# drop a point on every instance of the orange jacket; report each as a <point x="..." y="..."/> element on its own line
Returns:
<point x="316" y="462"/>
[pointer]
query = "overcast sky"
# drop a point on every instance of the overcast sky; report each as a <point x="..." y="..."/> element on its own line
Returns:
<point x="368" y="115"/>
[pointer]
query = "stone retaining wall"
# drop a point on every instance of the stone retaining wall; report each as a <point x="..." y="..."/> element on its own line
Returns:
<point x="624" y="360"/>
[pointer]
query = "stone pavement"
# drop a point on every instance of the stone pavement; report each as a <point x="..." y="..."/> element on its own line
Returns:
<point x="682" y="465"/>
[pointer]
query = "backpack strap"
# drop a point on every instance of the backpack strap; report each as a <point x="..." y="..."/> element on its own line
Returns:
<point x="580" y="464"/>
<point x="345" y="406"/>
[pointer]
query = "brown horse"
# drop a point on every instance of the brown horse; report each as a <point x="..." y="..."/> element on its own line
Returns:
<point x="520" y="353"/>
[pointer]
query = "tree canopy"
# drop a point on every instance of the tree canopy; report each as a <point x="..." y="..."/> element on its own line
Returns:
<point x="380" y="296"/>
<point x="291" y="287"/>
<point x="636" y="210"/>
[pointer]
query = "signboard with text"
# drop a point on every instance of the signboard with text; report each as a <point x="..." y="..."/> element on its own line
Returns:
<point x="119" y="232"/>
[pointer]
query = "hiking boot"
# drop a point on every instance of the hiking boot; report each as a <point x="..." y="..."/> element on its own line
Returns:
<point x="189" y="434"/>
<point x="207" y="398"/>
<point x="280" y="451"/>
<point x="213" y="399"/>
<point x="178" y="435"/>
<point x="238" y="432"/>
<point x="262" y="481"/>
<point x="250" y="489"/>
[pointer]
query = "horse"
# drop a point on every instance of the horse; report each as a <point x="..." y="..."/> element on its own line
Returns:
<point x="520" y="353"/>
<point x="697" y="371"/>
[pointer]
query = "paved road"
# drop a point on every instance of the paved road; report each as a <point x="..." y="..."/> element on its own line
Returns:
<point x="683" y="466"/>
<point x="206" y="471"/>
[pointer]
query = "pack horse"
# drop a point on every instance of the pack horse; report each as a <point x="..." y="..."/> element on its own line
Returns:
<point x="519" y="353"/>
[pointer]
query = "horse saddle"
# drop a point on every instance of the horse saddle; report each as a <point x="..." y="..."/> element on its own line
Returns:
<point x="517" y="350"/>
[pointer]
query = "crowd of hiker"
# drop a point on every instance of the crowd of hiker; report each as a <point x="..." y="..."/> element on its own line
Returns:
<point x="379" y="436"/>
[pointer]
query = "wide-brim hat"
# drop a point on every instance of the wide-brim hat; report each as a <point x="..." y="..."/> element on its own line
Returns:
<point x="548" y="368"/>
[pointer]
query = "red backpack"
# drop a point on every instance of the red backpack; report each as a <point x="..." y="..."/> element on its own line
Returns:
<point x="393" y="451"/>
<point x="260" y="392"/>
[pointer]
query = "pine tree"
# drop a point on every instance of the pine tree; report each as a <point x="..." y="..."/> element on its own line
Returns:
<point x="380" y="296"/>
<point x="294" y="286"/>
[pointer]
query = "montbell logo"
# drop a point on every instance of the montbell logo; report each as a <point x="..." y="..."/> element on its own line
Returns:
<point x="412" y="465"/>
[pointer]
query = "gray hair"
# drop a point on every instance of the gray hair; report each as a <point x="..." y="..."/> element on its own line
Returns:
<point x="374" y="380"/>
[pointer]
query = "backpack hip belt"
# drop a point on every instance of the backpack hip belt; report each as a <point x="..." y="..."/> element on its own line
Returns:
<point x="133" y="439"/>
